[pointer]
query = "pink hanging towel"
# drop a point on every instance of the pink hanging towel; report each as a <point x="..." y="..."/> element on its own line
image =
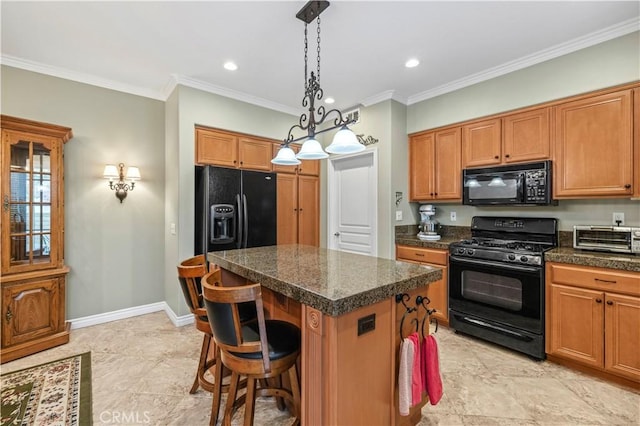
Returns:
<point x="416" y="376"/>
<point x="432" y="365"/>
<point x="423" y="358"/>
<point x="405" y="376"/>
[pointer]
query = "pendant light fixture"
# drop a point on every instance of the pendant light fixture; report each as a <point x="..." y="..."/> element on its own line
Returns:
<point x="345" y="141"/>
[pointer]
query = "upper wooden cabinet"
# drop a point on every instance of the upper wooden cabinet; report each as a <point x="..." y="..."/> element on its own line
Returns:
<point x="594" y="147"/>
<point x="32" y="269"/>
<point x="434" y="166"/>
<point x="481" y="143"/>
<point x="307" y="167"/>
<point x="514" y="138"/>
<point x="226" y="149"/>
<point x="526" y="136"/>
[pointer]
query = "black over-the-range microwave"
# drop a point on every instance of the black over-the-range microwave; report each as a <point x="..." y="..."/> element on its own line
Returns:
<point x="527" y="184"/>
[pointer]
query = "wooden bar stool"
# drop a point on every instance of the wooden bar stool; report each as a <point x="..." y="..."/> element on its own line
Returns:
<point x="190" y="273"/>
<point x="258" y="349"/>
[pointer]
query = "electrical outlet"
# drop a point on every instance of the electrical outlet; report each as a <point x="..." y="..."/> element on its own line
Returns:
<point x="618" y="219"/>
<point x="453" y="216"/>
<point x="398" y="214"/>
<point x="172" y="228"/>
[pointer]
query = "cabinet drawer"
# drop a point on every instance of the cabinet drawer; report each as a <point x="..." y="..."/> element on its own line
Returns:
<point x="419" y="254"/>
<point x="595" y="278"/>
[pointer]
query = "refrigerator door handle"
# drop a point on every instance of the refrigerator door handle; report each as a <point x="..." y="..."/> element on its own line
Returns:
<point x="246" y="220"/>
<point x="239" y="220"/>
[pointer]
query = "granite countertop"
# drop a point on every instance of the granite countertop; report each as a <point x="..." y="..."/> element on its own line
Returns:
<point x="331" y="281"/>
<point x="623" y="262"/>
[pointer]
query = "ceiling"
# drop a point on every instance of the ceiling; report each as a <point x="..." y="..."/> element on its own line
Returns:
<point x="147" y="47"/>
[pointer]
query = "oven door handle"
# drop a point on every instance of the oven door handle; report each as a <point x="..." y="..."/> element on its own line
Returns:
<point x="508" y="266"/>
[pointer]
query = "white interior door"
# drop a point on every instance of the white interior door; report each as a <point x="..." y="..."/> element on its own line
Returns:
<point x="353" y="203"/>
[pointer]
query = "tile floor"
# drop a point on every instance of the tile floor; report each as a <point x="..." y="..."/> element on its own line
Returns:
<point x="143" y="368"/>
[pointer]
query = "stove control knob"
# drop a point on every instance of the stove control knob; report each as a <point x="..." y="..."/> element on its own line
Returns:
<point x="460" y="251"/>
<point x="512" y="257"/>
<point x="470" y="251"/>
<point x="524" y="259"/>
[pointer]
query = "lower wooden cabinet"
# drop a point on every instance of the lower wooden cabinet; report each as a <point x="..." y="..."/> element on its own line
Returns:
<point x="33" y="315"/>
<point x="280" y="307"/>
<point x="438" y="291"/>
<point x="593" y="318"/>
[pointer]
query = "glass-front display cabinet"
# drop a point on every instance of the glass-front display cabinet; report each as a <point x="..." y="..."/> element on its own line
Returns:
<point x="32" y="266"/>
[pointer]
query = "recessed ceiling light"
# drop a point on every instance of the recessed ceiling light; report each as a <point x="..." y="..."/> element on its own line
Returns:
<point x="411" y="63"/>
<point x="329" y="101"/>
<point x="230" y="66"/>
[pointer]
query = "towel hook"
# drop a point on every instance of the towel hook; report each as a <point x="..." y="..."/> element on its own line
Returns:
<point x="420" y="301"/>
<point x="403" y="298"/>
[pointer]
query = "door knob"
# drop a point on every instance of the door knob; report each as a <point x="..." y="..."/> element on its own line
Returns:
<point x="337" y="234"/>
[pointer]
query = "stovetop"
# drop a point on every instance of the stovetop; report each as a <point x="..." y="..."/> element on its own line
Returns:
<point x="510" y="240"/>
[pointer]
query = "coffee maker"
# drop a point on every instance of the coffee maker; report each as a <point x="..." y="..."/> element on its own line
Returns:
<point x="428" y="226"/>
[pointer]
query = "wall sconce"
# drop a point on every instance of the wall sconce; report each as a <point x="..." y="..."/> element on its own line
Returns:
<point x="121" y="187"/>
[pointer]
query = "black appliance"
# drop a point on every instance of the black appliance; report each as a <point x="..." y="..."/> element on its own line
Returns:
<point x="496" y="281"/>
<point x="234" y="209"/>
<point x="516" y="184"/>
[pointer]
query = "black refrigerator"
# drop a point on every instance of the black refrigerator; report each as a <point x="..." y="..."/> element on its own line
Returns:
<point x="234" y="209"/>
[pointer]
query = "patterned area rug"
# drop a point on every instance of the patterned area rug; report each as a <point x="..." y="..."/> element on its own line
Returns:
<point x="57" y="392"/>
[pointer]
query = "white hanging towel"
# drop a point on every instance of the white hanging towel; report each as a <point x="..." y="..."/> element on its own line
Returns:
<point x="405" y="375"/>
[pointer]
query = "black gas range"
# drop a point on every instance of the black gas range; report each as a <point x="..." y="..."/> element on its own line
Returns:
<point x="496" y="281"/>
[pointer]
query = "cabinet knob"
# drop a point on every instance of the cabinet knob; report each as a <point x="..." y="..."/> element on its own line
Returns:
<point x="507" y="156"/>
<point x="431" y="193"/>
<point x="627" y="186"/>
<point x="609" y="302"/>
<point x="598" y="300"/>
<point x="496" y="157"/>
<point x="6" y="203"/>
<point x="9" y="314"/>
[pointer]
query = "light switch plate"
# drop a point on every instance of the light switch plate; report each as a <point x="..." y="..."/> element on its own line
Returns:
<point x="618" y="219"/>
<point x="453" y="217"/>
<point x="398" y="214"/>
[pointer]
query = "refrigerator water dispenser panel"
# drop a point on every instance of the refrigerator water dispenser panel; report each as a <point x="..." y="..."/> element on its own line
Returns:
<point x="223" y="223"/>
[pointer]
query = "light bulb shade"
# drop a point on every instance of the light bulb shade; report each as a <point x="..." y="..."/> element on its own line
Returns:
<point x="345" y="142"/>
<point x="286" y="157"/>
<point x="472" y="183"/>
<point x="133" y="173"/>
<point x="311" y="150"/>
<point x="110" y="172"/>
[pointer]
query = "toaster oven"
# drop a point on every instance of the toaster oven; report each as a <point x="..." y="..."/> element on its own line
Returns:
<point x="615" y="239"/>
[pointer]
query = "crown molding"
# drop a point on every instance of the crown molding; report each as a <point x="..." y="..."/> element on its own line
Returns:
<point x="234" y="94"/>
<point x="383" y="96"/>
<point x="606" y="34"/>
<point x="80" y="77"/>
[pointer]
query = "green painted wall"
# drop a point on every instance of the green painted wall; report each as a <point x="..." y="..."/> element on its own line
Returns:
<point x="115" y="251"/>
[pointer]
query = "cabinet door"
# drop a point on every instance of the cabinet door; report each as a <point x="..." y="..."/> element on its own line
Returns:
<point x="421" y="161"/>
<point x="594" y="151"/>
<point x="481" y="143"/>
<point x="287" y="208"/>
<point x="32" y="219"/>
<point x="636" y="143"/>
<point x="622" y="330"/>
<point x="32" y="310"/>
<point x="575" y="326"/>
<point x="447" y="164"/>
<point x="254" y="154"/>
<point x="308" y="210"/>
<point x="309" y="168"/>
<point x="216" y="148"/>
<point x="526" y="136"/>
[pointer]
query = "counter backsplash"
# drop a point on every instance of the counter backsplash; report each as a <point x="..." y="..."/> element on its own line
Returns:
<point x="447" y="232"/>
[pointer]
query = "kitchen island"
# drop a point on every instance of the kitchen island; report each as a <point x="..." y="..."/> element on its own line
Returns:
<point x="350" y="322"/>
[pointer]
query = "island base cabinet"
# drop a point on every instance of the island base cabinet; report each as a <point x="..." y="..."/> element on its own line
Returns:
<point x="593" y="319"/>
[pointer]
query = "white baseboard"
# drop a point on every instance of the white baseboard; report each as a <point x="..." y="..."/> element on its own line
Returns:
<point x="131" y="312"/>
